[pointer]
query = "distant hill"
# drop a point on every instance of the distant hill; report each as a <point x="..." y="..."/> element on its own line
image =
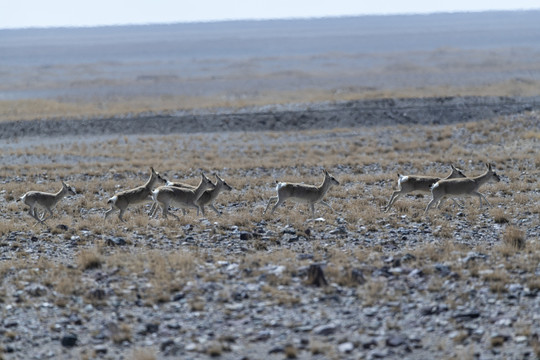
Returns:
<point x="240" y="62"/>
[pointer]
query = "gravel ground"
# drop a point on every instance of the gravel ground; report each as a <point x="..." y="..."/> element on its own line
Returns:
<point x="398" y="287"/>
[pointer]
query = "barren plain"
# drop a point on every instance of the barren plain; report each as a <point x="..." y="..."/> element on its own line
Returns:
<point x="458" y="283"/>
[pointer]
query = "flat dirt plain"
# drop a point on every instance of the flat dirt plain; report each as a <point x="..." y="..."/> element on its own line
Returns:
<point x="461" y="282"/>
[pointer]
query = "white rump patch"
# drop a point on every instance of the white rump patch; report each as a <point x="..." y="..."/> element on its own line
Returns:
<point x="402" y="179"/>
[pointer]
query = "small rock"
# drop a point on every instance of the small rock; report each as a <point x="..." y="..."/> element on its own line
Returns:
<point x="276" y="350"/>
<point x="346" y="347"/>
<point x="263" y="335"/>
<point x="305" y="257"/>
<point x="498" y="339"/>
<point x="62" y="227"/>
<point x="408" y="257"/>
<point x="520" y="339"/>
<point x="178" y="296"/>
<point x="378" y="354"/>
<point x="467" y="315"/>
<point x="116" y="241"/>
<point x="325" y="330"/>
<point x="434" y="309"/>
<point x="96" y="294"/>
<point x="368" y="342"/>
<point x="340" y="230"/>
<point x="244" y="235"/>
<point x="152" y="328"/>
<point x="100" y="349"/>
<point x="316" y="276"/>
<point x="36" y="290"/>
<point x="69" y="340"/>
<point x="443" y="270"/>
<point x="10" y="323"/>
<point x="473" y="255"/>
<point x="358" y="276"/>
<point x="514" y="288"/>
<point x="396" y="340"/>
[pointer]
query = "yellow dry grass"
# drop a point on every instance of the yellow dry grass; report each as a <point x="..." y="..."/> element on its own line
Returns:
<point x="12" y="110"/>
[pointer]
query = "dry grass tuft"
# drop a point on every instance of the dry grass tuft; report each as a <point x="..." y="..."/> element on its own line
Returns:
<point x="514" y="237"/>
<point x="500" y="216"/>
<point x="121" y="334"/>
<point x="89" y="259"/>
<point x="143" y="354"/>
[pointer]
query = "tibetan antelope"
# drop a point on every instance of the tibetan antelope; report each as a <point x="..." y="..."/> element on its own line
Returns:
<point x="140" y="194"/>
<point x="165" y="196"/>
<point x="461" y="187"/>
<point x="418" y="183"/>
<point x="310" y="194"/>
<point x="44" y="200"/>
<point x="209" y="196"/>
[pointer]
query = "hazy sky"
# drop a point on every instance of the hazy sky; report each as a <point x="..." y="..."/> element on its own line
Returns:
<point x="45" y="13"/>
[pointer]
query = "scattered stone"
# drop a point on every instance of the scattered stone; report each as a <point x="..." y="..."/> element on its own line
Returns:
<point x="304" y="256"/>
<point x="473" y="255"/>
<point x="151" y="328"/>
<point x="357" y="276"/>
<point x="69" y="340"/>
<point x="340" y="230"/>
<point x="346" y="347"/>
<point x="100" y="349"/>
<point x="96" y="294"/>
<point x="408" y="257"/>
<point x="466" y="315"/>
<point x="325" y="330"/>
<point x="520" y="339"/>
<point x="316" y="276"/>
<point x="396" y="340"/>
<point x="244" y="235"/>
<point x="368" y="342"/>
<point x="62" y="227"/>
<point x="443" y="270"/>
<point x="433" y="309"/>
<point x="116" y="241"/>
<point x="36" y="290"/>
<point x="263" y="335"/>
<point x="497" y="340"/>
<point x="276" y="350"/>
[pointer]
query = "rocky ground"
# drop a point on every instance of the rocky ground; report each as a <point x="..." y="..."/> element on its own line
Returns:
<point x="379" y="112"/>
<point x="459" y="283"/>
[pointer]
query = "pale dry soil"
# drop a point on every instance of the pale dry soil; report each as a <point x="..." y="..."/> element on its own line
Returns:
<point x="461" y="282"/>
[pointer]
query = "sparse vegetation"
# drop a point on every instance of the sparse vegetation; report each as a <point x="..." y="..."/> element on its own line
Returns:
<point x="202" y="267"/>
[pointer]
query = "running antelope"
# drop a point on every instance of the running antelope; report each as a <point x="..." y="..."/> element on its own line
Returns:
<point x="140" y="194"/>
<point x="44" y="200"/>
<point x="418" y="183"/>
<point x="209" y="196"/>
<point x="461" y="187"/>
<point x="310" y="194"/>
<point x="182" y="197"/>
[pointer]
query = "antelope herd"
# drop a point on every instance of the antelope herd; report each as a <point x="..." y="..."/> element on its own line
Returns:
<point x="164" y="193"/>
